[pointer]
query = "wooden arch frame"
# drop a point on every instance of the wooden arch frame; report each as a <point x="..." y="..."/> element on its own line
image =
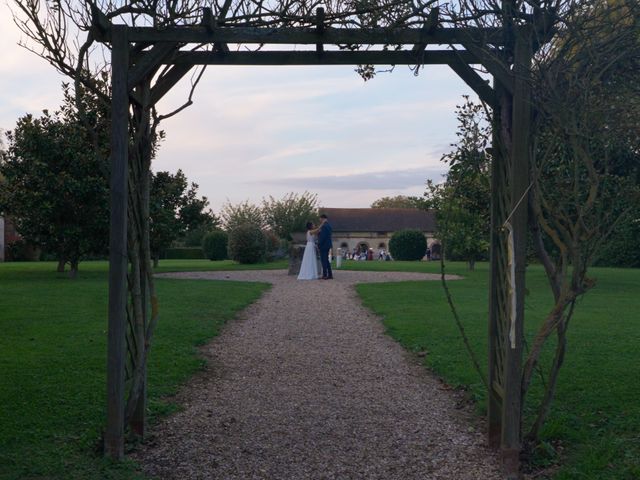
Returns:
<point x="509" y="97"/>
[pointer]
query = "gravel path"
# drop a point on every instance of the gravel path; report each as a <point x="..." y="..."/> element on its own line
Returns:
<point x="306" y="385"/>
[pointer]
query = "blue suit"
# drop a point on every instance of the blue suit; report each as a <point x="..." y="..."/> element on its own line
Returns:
<point x="324" y="245"/>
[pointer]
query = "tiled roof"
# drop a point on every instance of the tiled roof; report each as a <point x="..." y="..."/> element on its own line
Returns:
<point x="379" y="219"/>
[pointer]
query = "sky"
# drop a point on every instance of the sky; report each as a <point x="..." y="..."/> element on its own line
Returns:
<point x="255" y="132"/>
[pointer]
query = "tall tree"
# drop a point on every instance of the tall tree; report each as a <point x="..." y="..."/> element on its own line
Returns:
<point x="462" y="200"/>
<point x="175" y="210"/>
<point x="234" y="215"/>
<point x="399" y="201"/>
<point x="56" y="187"/>
<point x="289" y="214"/>
<point x="584" y="178"/>
<point x="194" y="213"/>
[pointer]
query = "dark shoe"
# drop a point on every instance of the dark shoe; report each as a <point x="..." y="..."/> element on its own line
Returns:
<point x="329" y="278"/>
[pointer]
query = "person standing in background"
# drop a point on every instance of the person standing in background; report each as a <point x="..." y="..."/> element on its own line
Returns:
<point x="324" y="245"/>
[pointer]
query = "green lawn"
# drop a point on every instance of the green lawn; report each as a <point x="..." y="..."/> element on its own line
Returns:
<point x="52" y="360"/>
<point x="595" y="421"/>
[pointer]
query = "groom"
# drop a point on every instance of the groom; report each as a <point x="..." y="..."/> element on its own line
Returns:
<point x="324" y="245"/>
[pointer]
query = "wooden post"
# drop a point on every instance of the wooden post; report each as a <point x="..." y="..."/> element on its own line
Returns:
<point x="499" y="188"/>
<point x="519" y="181"/>
<point x="118" y="261"/>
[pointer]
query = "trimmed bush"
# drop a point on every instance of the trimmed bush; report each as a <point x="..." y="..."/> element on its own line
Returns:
<point x="408" y="245"/>
<point x="214" y="245"/>
<point x="183" y="253"/>
<point x="272" y="245"/>
<point x="247" y="244"/>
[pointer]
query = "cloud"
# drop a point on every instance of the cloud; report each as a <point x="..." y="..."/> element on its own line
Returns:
<point x="382" y="180"/>
<point x="258" y="131"/>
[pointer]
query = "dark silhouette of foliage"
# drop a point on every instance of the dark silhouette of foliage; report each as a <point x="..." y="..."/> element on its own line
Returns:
<point x="175" y="211"/>
<point x="400" y="201"/>
<point x="408" y="245"/>
<point x="56" y="181"/>
<point x="214" y="245"/>
<point x="247" y="244"/>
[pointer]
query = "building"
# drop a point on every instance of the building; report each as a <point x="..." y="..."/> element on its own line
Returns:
<point x="371" y="228"/>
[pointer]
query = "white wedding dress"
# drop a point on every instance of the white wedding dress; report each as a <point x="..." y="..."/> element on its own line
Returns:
<point x="309" y="266"/>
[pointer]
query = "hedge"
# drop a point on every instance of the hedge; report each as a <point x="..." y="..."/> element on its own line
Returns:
<point x="183" y="253"/>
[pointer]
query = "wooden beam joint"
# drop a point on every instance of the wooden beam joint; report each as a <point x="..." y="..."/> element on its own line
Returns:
<point x="210" y="24"/>
<point x="428" y="29"/>
<point x="320" y="16"/>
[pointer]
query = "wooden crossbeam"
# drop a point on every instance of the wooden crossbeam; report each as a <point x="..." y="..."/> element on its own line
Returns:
<point x="210" y="23"/>
<point x="99" y="21"/>
<point x="495" y="67"/>
<point x="310" y="36"/>
<point x="148" y="62"/>
<point x="167" y="81"/>
<point x="475" y="81"/>
<point x="401" y="57"/>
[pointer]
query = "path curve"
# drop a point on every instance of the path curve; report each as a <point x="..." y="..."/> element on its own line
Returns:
<point x="306" y="385"/>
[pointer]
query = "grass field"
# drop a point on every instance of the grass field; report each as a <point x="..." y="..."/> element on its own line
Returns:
<point x="594" y="428"/>
<point x="53" y="359"/>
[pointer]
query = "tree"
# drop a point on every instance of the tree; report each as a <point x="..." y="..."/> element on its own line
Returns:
<point x="247" y="244"/>
<point x="167" y="192"/>
<point x="290" y="214"/>
<point x="462" y="201"/>
<point x="241" y="214"/>
<point x="175" y="211"/>
<point x="214" y="245"/>
<point x="399" y="201"/>
<point x="194" y="214"/>
<point x="586" y="92"/>
<point x="56" y="186"/>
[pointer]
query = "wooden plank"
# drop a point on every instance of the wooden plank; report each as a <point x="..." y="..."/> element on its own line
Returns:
<point x="495" y="67"/>
<point x="473" y="80"/>
<point x="519" y="181"/>
<point x="498" y="186"/>
<point x="319" y="28"/>
<point x="114" y="433"/>
<point x="403" y="57"/>
<point x="167" y="81"/>
<point x="310" y="35"/>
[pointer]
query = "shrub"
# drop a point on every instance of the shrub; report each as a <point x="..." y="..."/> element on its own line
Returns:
<point x="214" y="245"/>
<point x="247" y="244"/>
<point x="408" y="245"/>
<point x="195" y="237"/>
<point x="183" y="253"/>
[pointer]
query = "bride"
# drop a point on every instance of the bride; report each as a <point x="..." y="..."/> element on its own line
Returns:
<point x="309" y="266"/>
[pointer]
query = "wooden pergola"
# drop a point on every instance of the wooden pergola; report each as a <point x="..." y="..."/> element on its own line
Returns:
<point x="138" y="53"/>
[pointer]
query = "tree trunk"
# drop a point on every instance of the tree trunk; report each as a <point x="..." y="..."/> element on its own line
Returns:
<point x="545" y="405"/>
<point x="61" y="264"/>
<point x="73" y="272"/>
<point x="156" y="259"/>
<point x="472" y="265"/>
